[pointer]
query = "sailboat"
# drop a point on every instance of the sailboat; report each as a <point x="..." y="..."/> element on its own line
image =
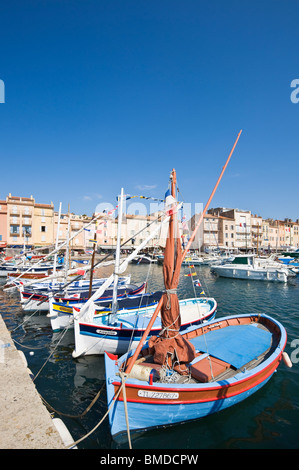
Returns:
<point x="177" y="376"/>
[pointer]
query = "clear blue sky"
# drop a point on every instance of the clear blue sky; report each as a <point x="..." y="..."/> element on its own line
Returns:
<point x="101" y="94"/>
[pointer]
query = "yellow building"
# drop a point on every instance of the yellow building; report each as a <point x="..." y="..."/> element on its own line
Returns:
<point x="28" y="222"/>
<point x="43" y="225"/>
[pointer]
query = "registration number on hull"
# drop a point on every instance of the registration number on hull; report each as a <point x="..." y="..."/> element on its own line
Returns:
<point x="158" y="395"/>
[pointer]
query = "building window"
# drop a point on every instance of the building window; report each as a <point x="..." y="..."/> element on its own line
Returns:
<point x="27" y="230"/>
<point x="43" y="228"/>
<point x="14" y="229"/>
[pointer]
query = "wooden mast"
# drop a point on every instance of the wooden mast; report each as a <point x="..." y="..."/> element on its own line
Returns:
<point x="92" y="261"/>
<point x="132" y="359"/>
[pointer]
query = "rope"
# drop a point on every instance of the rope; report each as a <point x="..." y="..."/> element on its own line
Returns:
<point x="75" y="416"/>
<point x="62" y="335"/>
<point x="168" y="292"/>
<point x="113" y="402"/>
<point x="138" y="310"/>
<point x="123" y="380"/>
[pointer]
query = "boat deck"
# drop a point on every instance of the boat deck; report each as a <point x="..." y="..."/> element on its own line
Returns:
<point x="222" y="353"/>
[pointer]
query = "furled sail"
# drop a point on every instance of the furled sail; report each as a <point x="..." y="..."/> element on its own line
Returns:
<point x="170" y="348"/>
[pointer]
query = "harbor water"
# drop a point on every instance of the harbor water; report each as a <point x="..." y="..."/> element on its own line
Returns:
<point x="267" y="420"/>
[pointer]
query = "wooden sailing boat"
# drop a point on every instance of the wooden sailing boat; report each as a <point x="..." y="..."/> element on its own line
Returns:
<point x="181" y="376"/>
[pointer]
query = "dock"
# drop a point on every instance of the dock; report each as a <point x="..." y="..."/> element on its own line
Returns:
<point x="25" y="422"/>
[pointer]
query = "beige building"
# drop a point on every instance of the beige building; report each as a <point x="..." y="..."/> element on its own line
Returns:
<point x="3" y="224"/>
<point x="257" y="242"/>
<point x="43" y="225"/>
<point x="134" y="230"/>
<point x="227" y="234"/>
<point x="28" y="222"/>
<point x="74" y="223"/>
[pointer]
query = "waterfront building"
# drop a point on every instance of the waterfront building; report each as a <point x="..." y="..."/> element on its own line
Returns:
<point x="41" y="229"/>
<point x="134" y="230"/>
<point x="258" y="243"/>
<point x="3" y="224"/>
<point x="27" y="222"/>
<point x="76" y="223"/>
<point x="24" y="221"/>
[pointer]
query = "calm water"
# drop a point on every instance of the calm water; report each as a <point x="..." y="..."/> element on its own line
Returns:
<point x="268" y="419"/>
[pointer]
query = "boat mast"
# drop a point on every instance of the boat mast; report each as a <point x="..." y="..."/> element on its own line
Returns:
<point x="67" y="250"/>
<point x="92" y="260"/>
<point x="133" y="358"/>
<point x="57" y="238"/>
<point x="117" y="258"/>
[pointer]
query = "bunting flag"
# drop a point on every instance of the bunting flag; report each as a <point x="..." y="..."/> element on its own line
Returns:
<point x="80" y="272"/>
<point x="144" y="197"/>
<point x="92" y="241"/>
<point x="197" y="283"/>
<point x="191" y="274"/>
<point x="202" y="292"/>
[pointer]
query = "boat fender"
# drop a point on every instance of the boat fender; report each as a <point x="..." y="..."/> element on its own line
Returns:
<point x="146" y="374"/>
<point x="286" y="359"/>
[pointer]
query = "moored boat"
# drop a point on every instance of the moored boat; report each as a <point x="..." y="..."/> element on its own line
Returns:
<point x="250" y="267"/>
<point x="180" y="376"/>
<point x="234" y="357"/>
<point x="101" y="335"/>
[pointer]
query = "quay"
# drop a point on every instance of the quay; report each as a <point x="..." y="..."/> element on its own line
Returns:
<point x="25" y="423"/>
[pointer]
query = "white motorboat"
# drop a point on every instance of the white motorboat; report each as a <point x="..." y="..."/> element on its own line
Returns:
<point x="252" y="268"/>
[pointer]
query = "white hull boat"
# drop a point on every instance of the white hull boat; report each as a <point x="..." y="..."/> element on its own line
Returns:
<point x="251" y="268"/>
<point x="100" y="335"/>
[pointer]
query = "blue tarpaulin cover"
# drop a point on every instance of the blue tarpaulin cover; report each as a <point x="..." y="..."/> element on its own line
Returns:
<point x="236" y="344"/>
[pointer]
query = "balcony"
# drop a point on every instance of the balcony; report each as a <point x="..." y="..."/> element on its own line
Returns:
<point x="26" y="214"/>
<point x="14" y="220"/>
<point x="26" y="220"/>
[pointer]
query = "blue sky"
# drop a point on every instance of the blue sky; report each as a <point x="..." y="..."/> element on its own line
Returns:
<point x="104" y="94"/>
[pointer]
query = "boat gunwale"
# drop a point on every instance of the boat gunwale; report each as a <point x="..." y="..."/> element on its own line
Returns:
<point x="241" y="376"/>
<point x="108" y="327"/>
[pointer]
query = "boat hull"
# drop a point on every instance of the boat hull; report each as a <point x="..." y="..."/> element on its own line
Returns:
<point x="151" y="405"/>
<point x="98" y="338"/>
<point x="38" y="299"/>
<point x="250" y="274"/>
<point x="61" y="314"/>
